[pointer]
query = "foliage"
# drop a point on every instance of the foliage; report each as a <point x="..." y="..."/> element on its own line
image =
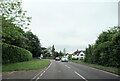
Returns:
<point x="47" y="52"/>
<point x="74" y="58"/>
<point x="53" y="50"/>
<point x="12" y="54"/>
<point x="61" y="53"/>
<point x="106" y="50"/>
<point x="70" y="56"/>
<point x="12" y="11"/>
<point x="33" y="44"/>
<point x="12" y="34"/>
<point x="50" y="52"/>
<point x="13" y="20"/>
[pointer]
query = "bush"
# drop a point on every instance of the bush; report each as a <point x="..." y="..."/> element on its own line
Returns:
<point x="74" y="58"/>
<point x="12" y="54"/>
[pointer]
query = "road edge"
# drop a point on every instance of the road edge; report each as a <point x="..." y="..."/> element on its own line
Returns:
<point x="104" y="70"/>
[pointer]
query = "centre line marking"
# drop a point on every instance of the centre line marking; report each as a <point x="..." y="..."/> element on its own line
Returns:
<point x="67" y="66"/>
<point x="80" y="76"/>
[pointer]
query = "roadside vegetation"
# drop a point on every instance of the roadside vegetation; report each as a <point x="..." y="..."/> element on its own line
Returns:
<point x="24" y="66"/>
<point x="109" y="69"/>
<point x="19" y="44"/>
<point x="12" y="54"/>
<point x="105" y="53"/>
<point x="106" y="50"/>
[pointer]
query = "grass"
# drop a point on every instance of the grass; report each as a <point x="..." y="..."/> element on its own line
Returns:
<point x="28" y="65"/>
<point x="109" y="69"/>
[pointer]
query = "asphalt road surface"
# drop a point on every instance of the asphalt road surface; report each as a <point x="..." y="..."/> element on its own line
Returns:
<point x="64" y="70"/>
<point x="70" y="70"/>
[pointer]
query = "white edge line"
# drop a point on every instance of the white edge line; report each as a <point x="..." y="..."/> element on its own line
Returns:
<point x="42" y="73"/>
<point x="80" y="75"/>
<point x="39" y="73"/>
<point x="104" y="71"/>
<point x="45" y="70"/>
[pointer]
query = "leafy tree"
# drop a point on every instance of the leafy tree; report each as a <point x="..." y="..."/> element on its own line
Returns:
<point x="33" y="44"/>
<point x="56" y="54"/>
<point x="12" y="11"/>
<point x="60" y="53"/>
<point x="13" y="20"/>
<point x="12" y="34"/>
<point x="47" y="52"/>
<point x="53" y="50"/>
<point x="106" y="50"/>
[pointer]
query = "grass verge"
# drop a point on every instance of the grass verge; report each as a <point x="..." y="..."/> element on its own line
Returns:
<point x="28" y="65"/>
<point x="109" y="69"/>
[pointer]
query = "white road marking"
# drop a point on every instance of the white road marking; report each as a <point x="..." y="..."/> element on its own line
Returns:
<point x="37" y="78"/>
<point x="80" y="76"/>
<point x="41" y="72"/>
<point x="101" y="70"/>
<point x="38" y="74"/>
<point x="45" y="70"/>
<point x="105" y="71"/>
<point x="68" y="67"/>
<point x="48" y="67"/>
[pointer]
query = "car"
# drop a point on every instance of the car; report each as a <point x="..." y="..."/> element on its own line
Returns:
<point x="64" y="59"/>
<point x="57" y="58"/>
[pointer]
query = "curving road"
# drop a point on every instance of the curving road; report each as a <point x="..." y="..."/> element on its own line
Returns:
<point x="61" y="71"/>
<point x="70" y="70"/>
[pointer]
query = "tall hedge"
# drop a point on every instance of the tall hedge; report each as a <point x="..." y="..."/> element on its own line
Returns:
<point x="106" y="50"/>
<point x="12" y="54"/>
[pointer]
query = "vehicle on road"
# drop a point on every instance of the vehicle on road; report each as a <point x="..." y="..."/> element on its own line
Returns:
<point x="57" y="58"/>
<point x="64" y="59"/>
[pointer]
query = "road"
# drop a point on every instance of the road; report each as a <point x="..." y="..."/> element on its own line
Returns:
<point x="64" y="71"/>
<point x="70" y="70"/>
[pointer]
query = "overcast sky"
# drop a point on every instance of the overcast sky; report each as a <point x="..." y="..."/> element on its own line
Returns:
<point x="70" y="24"/>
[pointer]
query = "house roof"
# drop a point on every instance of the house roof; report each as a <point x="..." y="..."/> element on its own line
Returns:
<point x="78" y="52"/>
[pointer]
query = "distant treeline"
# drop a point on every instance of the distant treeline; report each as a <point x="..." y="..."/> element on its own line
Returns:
<point x="106" y="50"/>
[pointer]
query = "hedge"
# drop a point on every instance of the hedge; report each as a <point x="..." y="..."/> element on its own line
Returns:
<point x="12" y="54"/>
<point x="74" y="58"/>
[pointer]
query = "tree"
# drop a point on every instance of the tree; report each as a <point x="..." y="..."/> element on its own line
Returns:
<point x="106" y="49"/>
<point x="60" y="53"/>
<point x="53" y="50"/>
<point x="33" y="44"/>
<point x="11" y="10"/>
<point x="13" y="20"/>
<point x="47" y="52"/>
<point x="12" y="34"/>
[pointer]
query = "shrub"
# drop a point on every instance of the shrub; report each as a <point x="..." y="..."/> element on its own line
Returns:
<point x="74" y="58"/>
<point x="12" y="54"/>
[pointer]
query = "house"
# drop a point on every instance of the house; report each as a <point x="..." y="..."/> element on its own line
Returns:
<point x="80" y="55"/>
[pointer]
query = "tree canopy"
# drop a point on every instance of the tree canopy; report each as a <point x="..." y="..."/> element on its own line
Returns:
<point x="106" y="50"/>
<point x="14" y="22"/>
